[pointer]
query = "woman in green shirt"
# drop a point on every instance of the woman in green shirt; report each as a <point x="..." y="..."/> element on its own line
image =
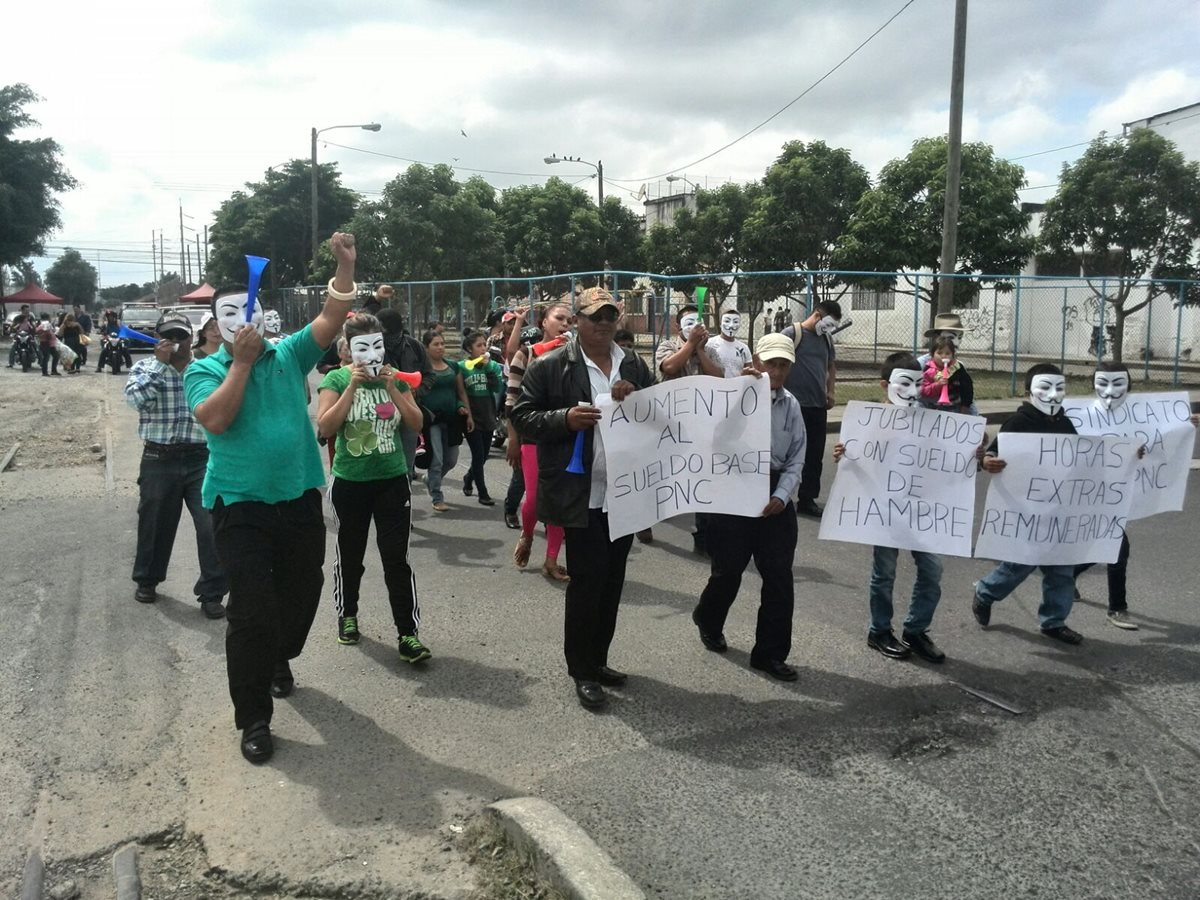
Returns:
<point x="446" y="398"/>
<point x="483" y="379"/>
<point x="363" y="404"/>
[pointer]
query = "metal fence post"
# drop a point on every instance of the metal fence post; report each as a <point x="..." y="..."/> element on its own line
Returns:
<point x="916" y="309"/>
<point x="1015" y="334"/>
<point x="875" y="355"/>
<point x="433" y="308"/>
<point x="572" y="292"/>
<point x="808" y="277"/>
<point x="462" y="301"/>
<point x="1178" y="336"/>
<point x="1146" y="351"/>
<point x="995" y="312"/>
<point x="1103" y="303"/>
<point x="1062" y="361"/>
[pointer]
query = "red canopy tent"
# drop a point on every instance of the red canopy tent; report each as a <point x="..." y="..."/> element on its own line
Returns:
<point x="202" y="294"/>
<point x="33" y="295"/>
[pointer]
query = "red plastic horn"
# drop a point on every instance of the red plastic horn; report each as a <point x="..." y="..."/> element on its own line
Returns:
<point x="412" y="379"/>
<point x="547" y="346"/>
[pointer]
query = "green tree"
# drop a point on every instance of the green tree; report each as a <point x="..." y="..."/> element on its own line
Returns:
<point x="809" y="194"/>
<point x="622" y="230"/>
<point x="271" y="218"/>
<point x="1131" y="208"/>
<point x="549" y="229"/>
<point x="30" y="176"/>
<point x="897" y="225"/>
<point x="73" y="278"/>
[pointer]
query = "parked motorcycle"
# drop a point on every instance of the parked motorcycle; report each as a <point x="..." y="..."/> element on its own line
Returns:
<point x="26" y="348"/>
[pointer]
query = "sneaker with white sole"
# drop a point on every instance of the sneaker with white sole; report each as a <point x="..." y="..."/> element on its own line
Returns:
<point x="1120" y="619"/>
<point x="348" y="630"/>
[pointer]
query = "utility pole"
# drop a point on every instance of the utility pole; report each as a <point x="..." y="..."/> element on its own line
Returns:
<point x="182" y="245"/>
<point x="600" y="180"/>
<point x="199" y="277"/>
<point x="154" y="255"/>
<point x="953" y="161"/>
<point x="162" y="259"/>
<point x="188" y="253"/>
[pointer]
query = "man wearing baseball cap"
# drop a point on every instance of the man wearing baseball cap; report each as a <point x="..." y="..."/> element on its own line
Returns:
<point x="557" y="403"/>
<point x="174" y="457"/>
<point x="769" y="539"/>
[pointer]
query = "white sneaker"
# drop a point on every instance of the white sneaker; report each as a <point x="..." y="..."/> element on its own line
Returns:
<point x="1120" y="619"/>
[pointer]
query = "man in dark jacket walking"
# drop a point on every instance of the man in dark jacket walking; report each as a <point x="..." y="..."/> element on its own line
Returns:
<point x="556" y="403"/>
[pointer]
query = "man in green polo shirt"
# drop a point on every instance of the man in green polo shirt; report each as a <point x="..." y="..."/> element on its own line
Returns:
<point x="264" y="469"/>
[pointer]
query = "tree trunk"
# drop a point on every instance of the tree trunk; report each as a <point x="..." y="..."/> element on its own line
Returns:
<point x="1118" y="339"/>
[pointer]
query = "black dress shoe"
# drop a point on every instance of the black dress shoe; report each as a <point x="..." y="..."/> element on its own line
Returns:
<point x="885" y="642"/>
<point x="1064" y="634"/>
<point x="610" y="677"/>
<point x="145" y="594"/>
<point x="714" y="642"/>
<point x="511" y="520"/>
<point x="922" y="645"/>
<point x="486" y="501"/>
<point x="808" y="508"/>
<point x="282" y="682"/>
<point x="257" y="745"/>
<point x="775" y="668"/>
<point x="590" y="694"/>
<point x="981" y="611"/>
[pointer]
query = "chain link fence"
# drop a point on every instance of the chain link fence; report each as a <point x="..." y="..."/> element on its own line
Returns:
<point x="1009" y="322"/>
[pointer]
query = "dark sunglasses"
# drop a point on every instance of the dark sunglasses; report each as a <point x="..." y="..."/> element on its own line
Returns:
<point x="603" y="314"/>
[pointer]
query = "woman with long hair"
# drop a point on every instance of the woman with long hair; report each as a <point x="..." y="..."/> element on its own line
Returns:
<point x="71" y="334"/>
<point x="208" y="338"/>
<point x="447" y="400"/>
<point x="522" y="452"/>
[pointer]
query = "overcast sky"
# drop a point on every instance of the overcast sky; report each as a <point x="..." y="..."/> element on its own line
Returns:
<point x="157" y="103"/>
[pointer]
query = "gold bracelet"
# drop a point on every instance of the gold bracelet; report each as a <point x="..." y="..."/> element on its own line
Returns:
<point x="345" y="297"/>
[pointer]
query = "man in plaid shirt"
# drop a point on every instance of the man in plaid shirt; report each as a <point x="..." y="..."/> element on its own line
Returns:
<point x="172" y="472"/>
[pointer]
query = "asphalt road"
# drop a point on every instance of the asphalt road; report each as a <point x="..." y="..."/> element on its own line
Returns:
<point x="866" y="778"/>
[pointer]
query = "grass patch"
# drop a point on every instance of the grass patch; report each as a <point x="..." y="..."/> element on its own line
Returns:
<point x="505" y="872"/>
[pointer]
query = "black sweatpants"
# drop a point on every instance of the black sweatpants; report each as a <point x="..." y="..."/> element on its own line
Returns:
<point x="1117" y="601"/>
<point x="771" y="542"/>
<point x="597" y="568"/>
<point x="273" y="554"/>
<point x="516" y="490"/>
<point x="815" y="420"/>
<point x="389" y="503"/>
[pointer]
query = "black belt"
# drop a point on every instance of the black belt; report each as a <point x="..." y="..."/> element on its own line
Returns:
<point x="175" y="449"/>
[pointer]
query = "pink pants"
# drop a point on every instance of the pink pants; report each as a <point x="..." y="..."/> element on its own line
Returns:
<point x="554" y="533"/>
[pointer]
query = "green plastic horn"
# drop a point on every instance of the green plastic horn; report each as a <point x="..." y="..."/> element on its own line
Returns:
<point x="700" y="294"/>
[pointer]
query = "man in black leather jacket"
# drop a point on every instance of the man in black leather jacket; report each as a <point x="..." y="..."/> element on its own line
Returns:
<point x="555" y="405"/>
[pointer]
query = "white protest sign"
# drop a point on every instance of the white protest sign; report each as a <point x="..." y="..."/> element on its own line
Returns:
<point x="1062" y="499"/>
<point x="1160" y="422"/>
<point x="906" y="479"/>
<point x="697" y="444"/>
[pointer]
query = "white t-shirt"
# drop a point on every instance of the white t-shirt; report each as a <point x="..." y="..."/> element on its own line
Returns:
<point x="732" y="356"/>
<point x="601" y="384"/>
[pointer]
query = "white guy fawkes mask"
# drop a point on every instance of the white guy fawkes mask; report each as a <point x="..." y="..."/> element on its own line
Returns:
<point x="231" y="316"/>
<point x="825" y="325"/>
<point x="272" y="322"/>
<point x="367" y="351"/>
<point x="904" y="387"/>
<point x="1047" y="393"/>
<point x="730" y="323"/>
<point x="687" y="323"/>
<point x="1111" y="388"/>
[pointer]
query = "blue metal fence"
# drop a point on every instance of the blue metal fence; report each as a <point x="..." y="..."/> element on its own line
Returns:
<point x="1010" y="321"/>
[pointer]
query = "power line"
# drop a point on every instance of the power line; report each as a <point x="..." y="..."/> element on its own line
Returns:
<point x="1116" y="137"/>
<point x="783" y="108"/>
<point x="421" y="162"/>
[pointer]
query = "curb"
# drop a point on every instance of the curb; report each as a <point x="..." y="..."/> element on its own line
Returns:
<point x="34" y="878"/>
<point x="563" y="853"/>
<point x="125" y="871"/>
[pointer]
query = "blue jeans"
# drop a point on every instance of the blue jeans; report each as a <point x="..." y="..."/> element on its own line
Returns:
<point x="1058" y="589"/>
<point x="927" y="590"/>
<point x="442" y="458"/>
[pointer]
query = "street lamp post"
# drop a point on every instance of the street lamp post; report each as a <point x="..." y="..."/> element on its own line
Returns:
<point x="673" y="178"/>
<point x="598" y="166"/>
<point x="371" y="126"/>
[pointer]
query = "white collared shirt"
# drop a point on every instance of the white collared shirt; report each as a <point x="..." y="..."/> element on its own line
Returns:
<point x="601" y="384"/>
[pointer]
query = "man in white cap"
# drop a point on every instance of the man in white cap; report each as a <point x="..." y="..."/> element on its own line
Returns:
<point x="174" y="459"/>
<point x="769" y="539"/>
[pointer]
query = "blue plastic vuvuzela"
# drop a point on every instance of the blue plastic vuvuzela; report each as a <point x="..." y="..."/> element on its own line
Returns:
<point x="575" y="466"/>
<point x="256" y="264"/>
<point x="124" y="331"/>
